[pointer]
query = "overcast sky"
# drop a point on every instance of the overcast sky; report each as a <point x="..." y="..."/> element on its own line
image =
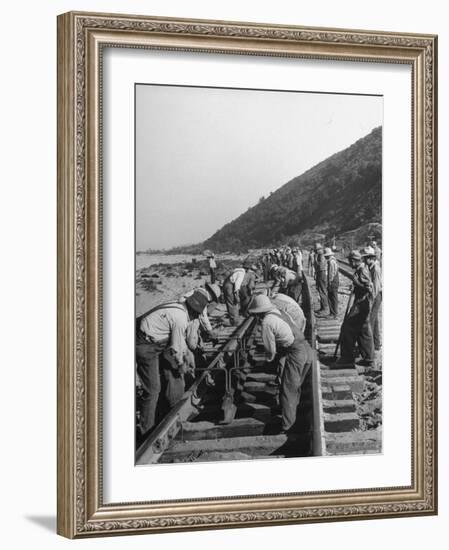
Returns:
<point x="204" y="155"/>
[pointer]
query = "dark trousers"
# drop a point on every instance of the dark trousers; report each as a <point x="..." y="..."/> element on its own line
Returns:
<point x="332" y="294"/>
<point x="231" y="302"/>
<point x="298" y="361"/>
<point x="147" y="359"/>
<point x="356" y="328"/>
<point x="173" y="387"/>
<point x="375" y="322"/>
<point x="156" y="375"/>
<point x="246" y="295"/>
<point x="321" y="287"/>
<point x="212" y="275"/>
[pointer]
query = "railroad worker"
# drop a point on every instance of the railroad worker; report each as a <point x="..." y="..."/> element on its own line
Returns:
<point x="266" y="265"/>
<point x="370" y="259"/>
<point x="288" y="282"/>
<point x="311" y="262"/>
<point x="356" y="327"/>
<point x="321" y="278"/>
<point x="332" y="282"/>
<point x="273" y="271"/>
<point x="231" y="293"/>
<point x="212" y="267"/>
<point x="289" y="258"/>
<point x="282" y="339"/>
<point x="164" y="334"/>
<point x="212" y="292"/>
<point x="377" y="251"/>
<point x="297" y="261"/>
<point x="290" y="307"/>
<point x="247" y="287"/>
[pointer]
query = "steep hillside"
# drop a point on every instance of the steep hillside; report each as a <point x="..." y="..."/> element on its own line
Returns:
<point x="337" y="195"/>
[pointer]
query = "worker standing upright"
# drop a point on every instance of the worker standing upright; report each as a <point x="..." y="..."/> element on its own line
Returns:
<point x="212" y="268"/>
<point x="297" y="261"/>
<point x="332" y="282"/>
<point x="321" y="278"/>
<point x="247" y="287"/>
<point x="311" y="262"/>
<point x="356" y="328"/>
<point x="231" y="293"/>
<point x="371" y="261"/>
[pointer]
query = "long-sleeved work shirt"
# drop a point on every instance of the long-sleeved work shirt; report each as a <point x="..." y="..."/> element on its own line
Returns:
<point x="212" y="263"/>
<point x="363" y="287"/>
<point x="275" y="332"/>
<point x="332" y="272"/>
<point x="298" y="260"/>
<point x="320" y="263"/>
<point x="376" y="278"/>
<point x="291" y="308"/>
<point x="171" y="325"/>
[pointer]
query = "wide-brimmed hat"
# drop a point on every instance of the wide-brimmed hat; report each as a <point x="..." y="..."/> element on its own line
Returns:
<point x="328" y="251"/>
<point x="214" y="290"/>
<point x="318" y="246"/>
<point x="197" y="301"/>
<point x="260" y="304"/>
<point x="367" y="252"/>
<point x="354" y="255"/>
<point x="274" y="267"/>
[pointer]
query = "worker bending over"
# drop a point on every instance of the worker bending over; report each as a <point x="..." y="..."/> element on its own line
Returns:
<point x="282" y="338"/>
<point x="164" y="336"/>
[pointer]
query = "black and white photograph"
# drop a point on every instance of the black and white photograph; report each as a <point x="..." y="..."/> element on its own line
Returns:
<point x="258" y="262"/>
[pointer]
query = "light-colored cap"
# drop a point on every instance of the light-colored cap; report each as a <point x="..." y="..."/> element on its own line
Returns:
<point x="354" y="255"/>
<point x="260" y="304"/>
<point x="328" y="252"/>
<point x="318" y="246"/>
<point x="367" y="251"/>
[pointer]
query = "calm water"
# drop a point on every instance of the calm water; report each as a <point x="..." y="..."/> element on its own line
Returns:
<point x="145" y="260"/>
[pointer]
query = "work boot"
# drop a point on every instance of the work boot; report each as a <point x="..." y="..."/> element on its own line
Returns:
<point x="365" y="363"/>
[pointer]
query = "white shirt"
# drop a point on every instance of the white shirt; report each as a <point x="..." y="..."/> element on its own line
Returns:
<point x="275" y="331"/>
<point x="172" y="324"/>
<point x="237" y="278"/>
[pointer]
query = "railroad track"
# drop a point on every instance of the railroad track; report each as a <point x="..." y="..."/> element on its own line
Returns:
<point x="231" y="411"/>
<point x="342" y="390"/>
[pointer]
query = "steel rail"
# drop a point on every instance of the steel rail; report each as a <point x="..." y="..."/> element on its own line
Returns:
<point x="317" y="406"/>
<point x="158" y="441"/>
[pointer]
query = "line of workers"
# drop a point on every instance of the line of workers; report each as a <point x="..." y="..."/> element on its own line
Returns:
<point x="169" y="336"/>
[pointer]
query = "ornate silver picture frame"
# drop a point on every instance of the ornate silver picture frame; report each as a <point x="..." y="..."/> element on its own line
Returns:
<point x="83" y="39"/>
